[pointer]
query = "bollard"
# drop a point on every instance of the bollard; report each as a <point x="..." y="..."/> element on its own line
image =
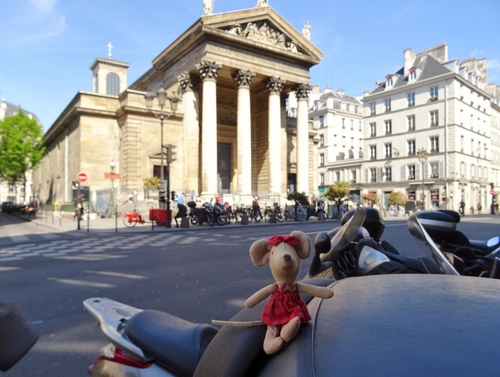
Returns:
<point x="244" y="220"/>
<point x="272" y="218"/>
<point x="184" y="222"/>
<point x="321" y="216"/>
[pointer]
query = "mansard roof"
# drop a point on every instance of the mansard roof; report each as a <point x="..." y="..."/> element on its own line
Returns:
<point x="427" y="66"/>
<point x="11" y="109"/>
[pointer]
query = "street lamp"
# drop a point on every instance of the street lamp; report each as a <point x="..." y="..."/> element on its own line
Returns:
<point x="112" y="165"/>
<point x="161" y="96"/>
<point x="422" y="155"/>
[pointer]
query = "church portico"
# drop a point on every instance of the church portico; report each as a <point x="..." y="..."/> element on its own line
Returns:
<point x="232" y="73"/>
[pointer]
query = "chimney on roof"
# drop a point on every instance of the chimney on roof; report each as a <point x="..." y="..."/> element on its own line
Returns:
<point x="409" y="57"/>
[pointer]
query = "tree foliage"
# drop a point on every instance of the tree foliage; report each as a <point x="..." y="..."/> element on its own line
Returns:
<point x="152" y="183"/>
<point x="371" y="198"/>
<point x="396" y="198"/>
<point x="301" y="197"/>
<point x="21" y="147"/>
<point x="338" y="192"/>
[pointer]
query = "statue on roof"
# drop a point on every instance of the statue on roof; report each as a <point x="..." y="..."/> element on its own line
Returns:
<point x="208" y="7"/>
<point x="262" y="3"/>
<point x="306" y="31"/>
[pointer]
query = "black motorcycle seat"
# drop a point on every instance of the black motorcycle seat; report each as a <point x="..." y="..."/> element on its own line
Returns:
<point x="174" y="342"/>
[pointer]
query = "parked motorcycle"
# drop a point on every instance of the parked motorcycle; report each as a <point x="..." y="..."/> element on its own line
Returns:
<point x="201" y="215"/>
<point x="220" y="214"/>
<point x="413" y="307"/>
<point x="16" y="336"/>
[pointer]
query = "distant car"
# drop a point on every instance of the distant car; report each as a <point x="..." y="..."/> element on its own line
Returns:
<point x="8" y="207"/>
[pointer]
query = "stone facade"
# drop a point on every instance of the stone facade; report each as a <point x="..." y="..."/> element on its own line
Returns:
<point x="232" y="73"/>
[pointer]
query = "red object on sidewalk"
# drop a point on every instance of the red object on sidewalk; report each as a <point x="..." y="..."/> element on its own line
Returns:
<point x="157" y="214"/>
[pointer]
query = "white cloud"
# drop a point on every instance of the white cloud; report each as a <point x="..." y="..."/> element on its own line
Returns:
<point x="44" y="6"/>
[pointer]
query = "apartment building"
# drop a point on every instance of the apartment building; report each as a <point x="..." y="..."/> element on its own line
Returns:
<point x="442" y="109"/>
<point x="338" y="120"/>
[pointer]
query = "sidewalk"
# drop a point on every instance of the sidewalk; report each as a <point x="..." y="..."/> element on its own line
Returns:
<point x="63" y="224"/>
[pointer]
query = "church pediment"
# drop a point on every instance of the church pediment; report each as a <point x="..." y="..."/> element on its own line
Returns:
<point x="262" y="27"/>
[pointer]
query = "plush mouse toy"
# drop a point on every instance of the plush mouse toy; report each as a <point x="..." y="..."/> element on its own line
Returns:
<point x="285" y="310"/>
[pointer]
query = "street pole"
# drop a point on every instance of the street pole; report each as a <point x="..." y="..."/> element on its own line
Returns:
<point x="169" y="219"/>
<point x="112" y="165"/>
<point x="422" y="155"/>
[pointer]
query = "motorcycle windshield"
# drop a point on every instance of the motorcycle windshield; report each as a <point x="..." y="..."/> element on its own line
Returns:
<point x="431" y="256"/>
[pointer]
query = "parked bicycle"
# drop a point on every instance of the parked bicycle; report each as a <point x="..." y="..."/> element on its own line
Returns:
<point x="130" y="219"/>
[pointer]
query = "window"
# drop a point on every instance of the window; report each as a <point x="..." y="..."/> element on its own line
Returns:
<point x="373" y="129"/>
<point x="373" y="152"/>
<point x="352" y="143"/>
<point x="433" y="117"/>
<point x="433" y="93"/>
<point x="413" y="74"/>
<point x="411" y="99"/>
<point x="322" y="179"/>
<point x="372" y="108"/>
<point x="322" y="121"/>
<point x="321" y="159"/>
<point x="462" y="143"/>
<point x="388" y="150"/>
<point x="389" y="81"/>
<point x="337" y="176"/>
<point x="352" y="124"/>
<point x="434" y="140"/>
<point x="388" y="127"/>
<point x="410" y="120"/>
<point x="334" y="140"/>
<point x="321" y="140"/>
<point x="360" y="125"/>
<point x="387" y="104"/>
<point x="411" y="147"/>
<point x="343" y="122"/>
<point x="411" y="172"/>
<point x="472" y="147"/>
<point x="373" y="175"/>
<point x="388" y="173"/>
<point x="112" y="84"/>
<point x="434" y="169"/>
<point x="353" y="176"/>
<point x="343" y="141"/>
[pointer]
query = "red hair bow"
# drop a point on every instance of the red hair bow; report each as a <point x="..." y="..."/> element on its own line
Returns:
<point x="276" y="240"/>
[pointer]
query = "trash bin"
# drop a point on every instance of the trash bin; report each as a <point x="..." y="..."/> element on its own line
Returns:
<point x="158" y="215"/>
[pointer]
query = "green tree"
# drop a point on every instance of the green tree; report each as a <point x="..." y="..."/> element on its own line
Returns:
<point x="338" y="192"/>
<point x="152" y="183"/>
<point x="21" y="147"/>
<point x="396" y="198"/>
<point x="301" y="197"/>
<point x="371" y="198"/>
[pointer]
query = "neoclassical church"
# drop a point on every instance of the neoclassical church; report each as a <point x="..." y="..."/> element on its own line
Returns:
<point x="234" y="75"/>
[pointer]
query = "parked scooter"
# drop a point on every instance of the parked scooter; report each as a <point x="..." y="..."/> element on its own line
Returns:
<point x="153" y="343"/>
<point x="220" y="214"/>
<point x="201" y="215"/>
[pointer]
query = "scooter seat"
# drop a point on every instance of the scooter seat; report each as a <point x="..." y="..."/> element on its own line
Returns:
<point x="174" y="342"/>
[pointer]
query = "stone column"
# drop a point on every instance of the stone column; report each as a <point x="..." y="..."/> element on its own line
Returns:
<point x="209" y="72"/>
<point x="274" y="86"/>
<point x="302" y="94"/>
<point x="189" y="150"/>
<point x="243" y="80"/>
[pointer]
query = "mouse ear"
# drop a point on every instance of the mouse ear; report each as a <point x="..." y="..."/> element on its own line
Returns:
<point x="260" y="252"/>
<point x="303" y="247"/>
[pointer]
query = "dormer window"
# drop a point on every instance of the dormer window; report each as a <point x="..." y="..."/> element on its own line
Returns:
<point x="412" y="75"/>
<point x="389" y="81"/>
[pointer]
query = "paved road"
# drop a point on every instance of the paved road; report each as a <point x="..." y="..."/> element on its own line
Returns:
<point x="199" y="274"/>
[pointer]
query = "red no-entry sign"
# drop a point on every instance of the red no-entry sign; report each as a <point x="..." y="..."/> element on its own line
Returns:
<point x="492" y="192"/>
<point x="82" y="177"/>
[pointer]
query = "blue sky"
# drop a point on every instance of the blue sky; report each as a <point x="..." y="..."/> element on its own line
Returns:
<point x="47" y="46"/>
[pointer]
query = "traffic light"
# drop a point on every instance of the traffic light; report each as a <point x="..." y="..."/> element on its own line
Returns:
<point x="172" y="195"/>
<point x="492" y="186"/>
<point x="170" y="153"/>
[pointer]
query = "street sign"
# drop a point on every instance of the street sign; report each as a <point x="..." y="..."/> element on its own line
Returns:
<point x="82" y="177"/>
<point x="492" y="192"/>
<point x="111" y="175"/>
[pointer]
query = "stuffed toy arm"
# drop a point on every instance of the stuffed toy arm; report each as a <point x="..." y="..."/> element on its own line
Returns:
<point x="260" y="295"/>
<point x="313" y="290"/>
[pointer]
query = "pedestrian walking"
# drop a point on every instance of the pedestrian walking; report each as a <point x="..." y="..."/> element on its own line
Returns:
<point x="479" y="208"/>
